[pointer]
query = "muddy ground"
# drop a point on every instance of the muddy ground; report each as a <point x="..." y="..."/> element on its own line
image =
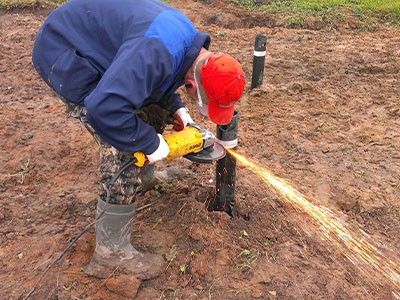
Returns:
<point x="326" y="119"/>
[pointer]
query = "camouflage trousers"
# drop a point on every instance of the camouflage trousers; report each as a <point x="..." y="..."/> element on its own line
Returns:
<point x="132" y="180"/>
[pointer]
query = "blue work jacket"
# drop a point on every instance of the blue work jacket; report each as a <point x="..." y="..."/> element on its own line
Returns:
<point x="116" y="56"/>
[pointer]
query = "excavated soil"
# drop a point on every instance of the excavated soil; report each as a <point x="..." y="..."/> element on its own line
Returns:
<point x="326" y="119"/>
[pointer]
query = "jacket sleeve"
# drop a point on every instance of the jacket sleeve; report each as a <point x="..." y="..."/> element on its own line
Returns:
<point x="139" y="67"/>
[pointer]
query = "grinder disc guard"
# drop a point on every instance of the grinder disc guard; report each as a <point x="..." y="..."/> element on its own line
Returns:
<point x="208" y="155"/>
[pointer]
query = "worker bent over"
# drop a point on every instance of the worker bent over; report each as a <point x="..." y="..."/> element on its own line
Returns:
<point x="117" y="64"/>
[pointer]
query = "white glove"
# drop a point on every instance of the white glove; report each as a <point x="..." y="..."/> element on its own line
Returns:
<point x="181" y="119"/>
<point x="161" y="152"/>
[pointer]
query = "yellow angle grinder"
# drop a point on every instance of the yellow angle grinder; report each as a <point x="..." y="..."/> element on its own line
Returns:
<point x="193" y="142"/>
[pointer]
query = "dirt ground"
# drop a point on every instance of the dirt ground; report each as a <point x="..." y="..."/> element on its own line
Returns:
<point x="326" y="119"/>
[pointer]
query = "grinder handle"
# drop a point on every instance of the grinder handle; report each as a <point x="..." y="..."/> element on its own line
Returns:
<point x="141" y="159"/>
<point x="189" y="140"/>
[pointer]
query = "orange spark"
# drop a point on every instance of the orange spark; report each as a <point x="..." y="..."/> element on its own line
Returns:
<point x="359" y="251"/>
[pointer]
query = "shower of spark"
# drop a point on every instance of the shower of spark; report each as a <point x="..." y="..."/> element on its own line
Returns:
<point x="361" y="253"/>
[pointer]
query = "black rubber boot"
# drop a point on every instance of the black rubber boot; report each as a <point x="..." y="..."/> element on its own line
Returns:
<point x="114" y="249"/>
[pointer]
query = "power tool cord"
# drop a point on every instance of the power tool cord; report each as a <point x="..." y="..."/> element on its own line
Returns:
<point x="108" y="191"/>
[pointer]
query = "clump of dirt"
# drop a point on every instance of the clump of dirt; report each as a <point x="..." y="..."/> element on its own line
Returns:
<point x="326" y="120"/>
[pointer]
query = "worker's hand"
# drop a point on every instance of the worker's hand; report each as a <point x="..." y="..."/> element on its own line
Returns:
<point x="181" y="119"/>
<point x="161" y="152"/>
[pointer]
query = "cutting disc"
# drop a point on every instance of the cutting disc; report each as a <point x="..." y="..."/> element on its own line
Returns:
<point x="208" y="155"/>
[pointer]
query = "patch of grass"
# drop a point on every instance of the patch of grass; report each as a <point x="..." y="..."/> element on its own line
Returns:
<point x="248" y="4"/>
<point x="183" y="268"/>
<point x="245" y="260"/>
<point x="10" y="4"/>
<point x="297" y="12"/>
<point x="24" y="169"/>
<point x="158" y="248"/>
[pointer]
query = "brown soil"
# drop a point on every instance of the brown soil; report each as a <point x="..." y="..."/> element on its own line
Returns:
<point x="326" y="119"/>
